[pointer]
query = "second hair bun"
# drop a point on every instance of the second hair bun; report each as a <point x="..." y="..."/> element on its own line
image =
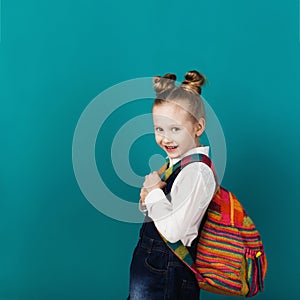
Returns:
<point x="194" y="81"/>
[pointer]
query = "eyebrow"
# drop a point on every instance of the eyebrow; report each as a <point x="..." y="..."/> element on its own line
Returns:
<point x="171" y="125"/>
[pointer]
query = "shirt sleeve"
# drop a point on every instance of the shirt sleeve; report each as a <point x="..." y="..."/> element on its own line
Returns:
<point x="191" y="194"/>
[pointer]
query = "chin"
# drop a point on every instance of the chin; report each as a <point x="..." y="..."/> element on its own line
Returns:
<point x="174" y="155"/>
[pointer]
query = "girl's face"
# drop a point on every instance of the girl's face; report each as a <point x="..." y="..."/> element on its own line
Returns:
<point x="175" y="130"/>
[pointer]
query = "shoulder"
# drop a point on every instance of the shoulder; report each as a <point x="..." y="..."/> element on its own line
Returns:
<point x="196" y="170"/>
<point x="197" y="166"/>
<point x="196" y="176"/>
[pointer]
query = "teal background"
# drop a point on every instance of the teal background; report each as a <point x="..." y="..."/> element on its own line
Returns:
<point x="56" y="56"/>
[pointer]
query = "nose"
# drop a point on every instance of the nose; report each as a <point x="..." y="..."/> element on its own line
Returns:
<point x="166" y="139"/>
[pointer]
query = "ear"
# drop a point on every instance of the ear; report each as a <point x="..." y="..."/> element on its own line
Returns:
<point x="200" y="127"/>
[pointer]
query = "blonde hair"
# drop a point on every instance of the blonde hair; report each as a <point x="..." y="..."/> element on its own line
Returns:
<point x="186" y="95"/>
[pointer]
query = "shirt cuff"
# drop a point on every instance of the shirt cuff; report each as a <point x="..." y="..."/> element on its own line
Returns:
<point x="143" y="208"/>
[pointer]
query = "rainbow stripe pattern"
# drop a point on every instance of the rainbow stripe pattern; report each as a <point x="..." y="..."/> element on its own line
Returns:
<point x="230" y="255"/>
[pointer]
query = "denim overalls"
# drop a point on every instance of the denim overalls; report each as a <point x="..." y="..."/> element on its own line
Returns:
<point x="155" y="272"/>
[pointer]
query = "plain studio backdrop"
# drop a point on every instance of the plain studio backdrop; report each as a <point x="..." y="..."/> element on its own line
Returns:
<point x="57" y="56"/>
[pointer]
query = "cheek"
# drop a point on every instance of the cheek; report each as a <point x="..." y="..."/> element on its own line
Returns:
<point x="158" y="138"/>
<point x="187" y="137"/>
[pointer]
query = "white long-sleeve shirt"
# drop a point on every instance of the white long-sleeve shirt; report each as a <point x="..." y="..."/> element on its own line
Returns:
<point x="191" y="194"/>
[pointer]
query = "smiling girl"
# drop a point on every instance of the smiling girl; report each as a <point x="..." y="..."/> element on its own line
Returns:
<point x="174" y="209"/>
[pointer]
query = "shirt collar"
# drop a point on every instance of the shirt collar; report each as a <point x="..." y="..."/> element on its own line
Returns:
<point x="200" y="150"/>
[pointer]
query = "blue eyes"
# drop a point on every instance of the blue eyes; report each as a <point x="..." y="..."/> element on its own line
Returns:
<point x="173" y="129"/>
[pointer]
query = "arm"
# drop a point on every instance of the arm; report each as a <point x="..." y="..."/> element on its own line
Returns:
<point x="191" y="194"/>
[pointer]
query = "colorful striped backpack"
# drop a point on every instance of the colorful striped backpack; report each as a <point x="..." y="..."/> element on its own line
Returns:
<point x="230" y="256"/>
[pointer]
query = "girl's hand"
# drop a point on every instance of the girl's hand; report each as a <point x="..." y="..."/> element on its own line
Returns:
<point x="152" y="181"/>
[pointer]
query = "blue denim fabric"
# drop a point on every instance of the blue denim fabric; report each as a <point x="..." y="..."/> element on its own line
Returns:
<point x="157" y="274"/>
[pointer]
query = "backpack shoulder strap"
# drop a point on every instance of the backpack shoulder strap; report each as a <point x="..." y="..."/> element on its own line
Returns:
<point x="166" y="171"/>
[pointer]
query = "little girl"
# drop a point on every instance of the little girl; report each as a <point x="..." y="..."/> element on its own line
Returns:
<point x="175" y="208"/>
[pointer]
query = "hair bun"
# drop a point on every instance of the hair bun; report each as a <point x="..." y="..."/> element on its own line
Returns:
<point x="193" y="81"/>
<point x="164" y="83"/>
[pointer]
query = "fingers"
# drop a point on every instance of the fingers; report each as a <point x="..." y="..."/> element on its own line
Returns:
<point x="151" y="180"/>
<point x="163" y="184"/>
<point x="152" y="175"/>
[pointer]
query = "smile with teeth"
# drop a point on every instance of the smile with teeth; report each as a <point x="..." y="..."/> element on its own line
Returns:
<point x="170" y="148"/>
